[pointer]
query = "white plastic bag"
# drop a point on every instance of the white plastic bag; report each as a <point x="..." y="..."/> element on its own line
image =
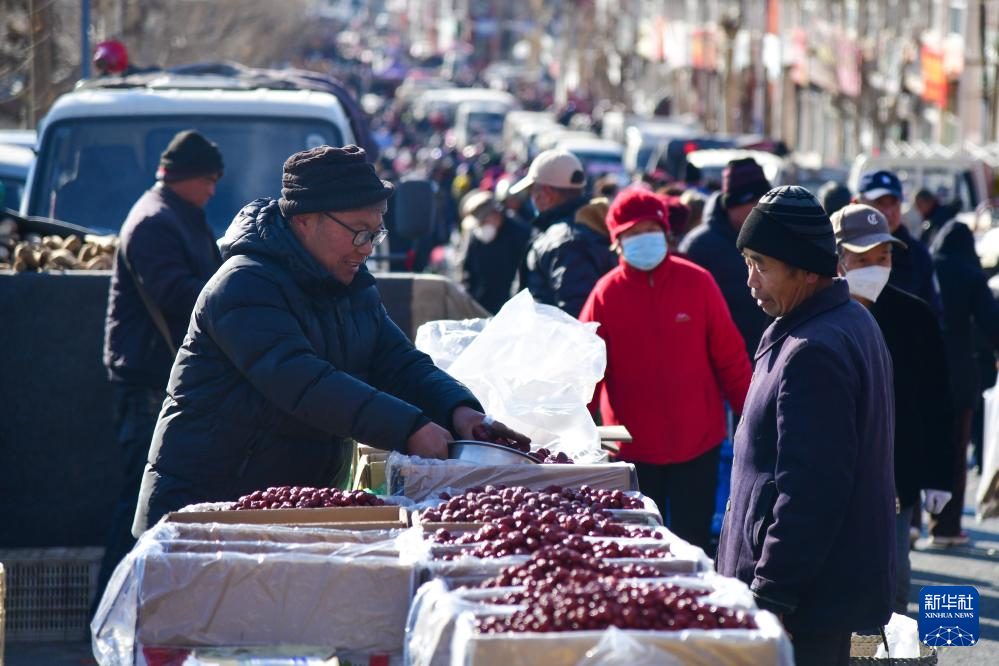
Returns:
<point x="445" y="339"/>
<point x="987" y="498"/>
<point x="534" y="368"/>
<point x="903" y="639"/>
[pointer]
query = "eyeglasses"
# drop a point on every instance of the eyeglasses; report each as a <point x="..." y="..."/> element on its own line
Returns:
<point x="363" y="236"/>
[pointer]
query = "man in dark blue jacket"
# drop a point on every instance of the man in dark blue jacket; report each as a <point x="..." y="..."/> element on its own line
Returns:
<point x="811" y="520"/>
<point x="166" y="254"/>
<point x="712" y="245"/>
<point x="565" y="259"/>
<point x="290" y="354"/>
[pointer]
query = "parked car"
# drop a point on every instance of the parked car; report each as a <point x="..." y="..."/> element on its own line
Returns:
<point x="99" y="145"/>
<point x="712" y="161"/>
<point x="15" y="162"/>
<point x="598" y="156"/>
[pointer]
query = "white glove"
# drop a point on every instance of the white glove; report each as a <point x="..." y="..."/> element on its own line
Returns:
<point x="935" y="500"/>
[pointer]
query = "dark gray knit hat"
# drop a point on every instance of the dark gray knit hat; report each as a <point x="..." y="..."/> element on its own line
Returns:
<point x="328" y="178"/>
<point x="789" y="224"/>
<point x="189" y="155"/>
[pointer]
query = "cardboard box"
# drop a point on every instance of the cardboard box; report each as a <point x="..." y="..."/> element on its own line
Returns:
<point x="369" y="469"/>
<point x="767" y="645"/>
<point x="349" y="517"/>
<point x="286" y="534"/>
<point x="419" y="480"/>
<point x="191" y="599"/>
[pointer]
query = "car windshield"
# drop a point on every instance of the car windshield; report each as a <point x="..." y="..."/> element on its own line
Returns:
<point x="91" y="171"/>
<point x="483" y="122"/>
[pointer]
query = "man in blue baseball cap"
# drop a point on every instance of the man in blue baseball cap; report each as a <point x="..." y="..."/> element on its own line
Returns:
<point x="912" y="266"/>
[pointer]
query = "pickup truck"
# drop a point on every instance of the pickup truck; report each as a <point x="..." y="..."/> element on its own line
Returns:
<point x="97" y="152"/>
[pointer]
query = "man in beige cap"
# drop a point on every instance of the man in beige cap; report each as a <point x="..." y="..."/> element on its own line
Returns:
<point x="924" y="437"/>
<point x="565" y="259"/>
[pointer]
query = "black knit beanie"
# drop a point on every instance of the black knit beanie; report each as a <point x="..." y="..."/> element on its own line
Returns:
<point x="789" y="224"/>
<point x="189" y="155"/>
<point x="328" y="178"/>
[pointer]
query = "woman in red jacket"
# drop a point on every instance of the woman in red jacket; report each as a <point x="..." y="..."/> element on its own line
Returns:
<point x="673" y="356"/>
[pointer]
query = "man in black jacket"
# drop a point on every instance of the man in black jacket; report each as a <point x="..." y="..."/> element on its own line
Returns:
<point x="290" y="354"/>
<point x="565" y="259"/>
<point x="495" y="249"/>
<point x="712" y="245"/>
<point x="924" y="414"/>
<point x="968" y="304"/>
<point x="933" y="214"/>
<point x="166" y="254"/>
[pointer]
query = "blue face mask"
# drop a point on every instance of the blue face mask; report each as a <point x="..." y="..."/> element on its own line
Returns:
<point x="644" y="251"/>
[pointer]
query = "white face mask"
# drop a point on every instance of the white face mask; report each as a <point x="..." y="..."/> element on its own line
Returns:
<point x="484" y="233"/>
<point x="868" y="282"/>
<point x="644" y="251"/>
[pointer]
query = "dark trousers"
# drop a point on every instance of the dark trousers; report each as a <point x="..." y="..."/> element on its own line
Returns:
<point x="685" y="494"/>
<point x="136" y="409"/>
<point x="821" y="649"/>
<point x="948" y="522"/>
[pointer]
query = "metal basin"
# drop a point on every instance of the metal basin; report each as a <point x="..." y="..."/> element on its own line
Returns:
<point x="487" y="453"/>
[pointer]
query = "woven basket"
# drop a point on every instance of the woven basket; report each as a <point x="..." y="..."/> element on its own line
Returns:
<point x="863" y="649"/>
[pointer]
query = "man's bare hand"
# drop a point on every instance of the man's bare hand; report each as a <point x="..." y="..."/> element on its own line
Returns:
<point x="430" y="441"/>
<point x="472" y="424"/>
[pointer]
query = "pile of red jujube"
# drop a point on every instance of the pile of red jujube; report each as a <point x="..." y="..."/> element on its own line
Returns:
<point x="553" y="528"/>
<point x="294" y="497"/>
<point x="558" y="564"/>
<point x="494" y="502"/>
<point x="546" y="457"/>
<point x="606" y="602"/>
<point x="517" y="542"/>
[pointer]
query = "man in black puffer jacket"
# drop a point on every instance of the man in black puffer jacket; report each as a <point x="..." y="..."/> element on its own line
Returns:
<point x="290" y="353"/>
<point x="565" y="259"/>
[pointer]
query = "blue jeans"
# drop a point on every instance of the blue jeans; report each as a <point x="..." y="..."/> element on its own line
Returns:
<point x="136" y="409"/>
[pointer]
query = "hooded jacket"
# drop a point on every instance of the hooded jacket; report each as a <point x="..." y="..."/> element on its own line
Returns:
<point x="281" y="367"/>
<point x="672" y="354"/>
<point x="712" y="246"/>
<point x="565" y="259"/>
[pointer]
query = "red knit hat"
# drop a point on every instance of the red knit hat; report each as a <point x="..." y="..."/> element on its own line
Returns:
<point x="633" y="206"/>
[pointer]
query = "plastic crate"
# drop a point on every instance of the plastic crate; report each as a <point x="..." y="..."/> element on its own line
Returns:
<point x="49" y="592"/>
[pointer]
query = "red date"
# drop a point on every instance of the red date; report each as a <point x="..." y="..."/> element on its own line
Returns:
<point x="595" y="604"/>
<point x="295" y="497"/>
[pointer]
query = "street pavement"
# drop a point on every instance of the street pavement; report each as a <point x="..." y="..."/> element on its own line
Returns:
<point x="976" y="564"/>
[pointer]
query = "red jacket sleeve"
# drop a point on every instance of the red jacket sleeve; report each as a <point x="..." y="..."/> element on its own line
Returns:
<point x="726" y="348"/>
<point x="591" y="312"/>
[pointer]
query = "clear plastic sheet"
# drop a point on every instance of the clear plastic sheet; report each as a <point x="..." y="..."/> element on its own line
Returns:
<point x="511" y="369"/>
<point x="168" y="592"/>
<point x="270" y="533"/>
<point x="444" y="340"/>
<point x="618" y="648"/>
<point x="423" y="478"/>
<point x="440" y="631"/>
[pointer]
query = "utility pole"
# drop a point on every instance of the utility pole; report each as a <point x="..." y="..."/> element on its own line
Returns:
<point x="40" y="28"/>
<point x="84" y="39"/>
